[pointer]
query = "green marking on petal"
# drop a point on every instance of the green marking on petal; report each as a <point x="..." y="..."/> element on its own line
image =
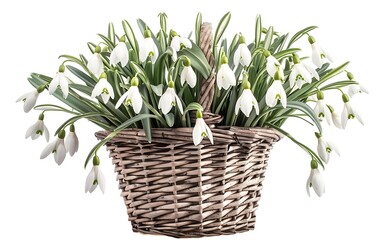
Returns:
<point x="322" y="56"/>
<point x="278" y="96"/>
<point x="39" y="132"/>
<point x="328" y="150"/>
<point x="321" y="115"/>
<point x="300" y="77"/>
<point x="351" y="116"/>
<point x="105" y="91"/>
<point x="173" y="103"/>
<point x="128" y="102"/>
<point x="204" y="134"/>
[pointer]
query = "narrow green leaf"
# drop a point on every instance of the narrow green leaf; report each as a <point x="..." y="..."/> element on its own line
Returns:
<point x="130" y="36"/>
<point x="121" y="127"/>
<point x="304" y="147"/>
<point x="268" y="38"/>
<point x="198" y="25"/>
<point x="258" y="31"/>
<point x="223" y="23"/>
<point x="299" y="34"/>
<point x="108" y="42"/>
<point x="82" y="76"/>
<point x="170" y="119"/>
<point x="306" y="109"/>
<point x="111" y="33"/>
<point x="158" y="90"/>
<point x="198" y="60"/>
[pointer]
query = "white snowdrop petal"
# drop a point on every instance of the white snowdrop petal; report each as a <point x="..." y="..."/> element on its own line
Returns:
<point x="89" y="181"/>
<point x="60" y="154"/>
<point x="48" y="149"/>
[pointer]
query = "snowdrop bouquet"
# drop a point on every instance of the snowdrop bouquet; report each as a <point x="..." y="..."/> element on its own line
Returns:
<point x="154" y="81"/>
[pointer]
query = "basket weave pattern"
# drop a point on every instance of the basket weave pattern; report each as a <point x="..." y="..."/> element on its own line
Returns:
<point x="172" y="187"/>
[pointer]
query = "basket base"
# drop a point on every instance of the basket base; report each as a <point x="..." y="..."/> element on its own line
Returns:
<point x="193" y="234"/>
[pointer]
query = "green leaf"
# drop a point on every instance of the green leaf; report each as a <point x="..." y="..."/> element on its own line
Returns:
<point x="286" y="53"/>
<point x="162" y="41"/>
<point x="258" y="31"/>
<point x="334" y="72"/>
<point x="78" y="117"/>
<point x="198" y="60"/>
<point x="268" y="38"/>
<point x="81" y="75"/>
<point x="223" y="23"/>
<point x="130" y="36"/>
<point x="163" y="21"/>
<point x="170" y="119"/>
<point x="158" y="90"/>
<point x="306" y="109"/>
<point x="108" y="42"/>
<point x="146" y="123"/>
<point x="111" y="33"/>
<point x="304" y="147"/>
<point x="121" y="127"/>
<point x="337" y="85"/>
<point x="198" y="25"/>
<point x="194" y="106"/>
<point x="85" y="89"/>
<point x="299" y="34"/>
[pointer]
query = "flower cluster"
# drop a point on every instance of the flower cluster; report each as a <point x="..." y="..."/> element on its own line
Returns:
<point x="156" y="81"/>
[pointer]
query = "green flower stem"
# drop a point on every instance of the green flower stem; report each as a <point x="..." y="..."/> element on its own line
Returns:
<point x="78" y="117"/>
<point x="304" y="147"/>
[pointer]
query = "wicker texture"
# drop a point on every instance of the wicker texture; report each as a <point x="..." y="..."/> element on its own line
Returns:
<point x="172" y="187"/>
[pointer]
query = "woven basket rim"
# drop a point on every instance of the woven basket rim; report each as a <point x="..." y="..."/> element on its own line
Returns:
<point x="232" y="132"/>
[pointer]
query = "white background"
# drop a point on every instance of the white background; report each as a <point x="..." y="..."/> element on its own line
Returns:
<point x="40" y="200"/>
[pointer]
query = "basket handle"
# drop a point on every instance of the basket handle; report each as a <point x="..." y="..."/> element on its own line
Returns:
<point x="207" y="89"/>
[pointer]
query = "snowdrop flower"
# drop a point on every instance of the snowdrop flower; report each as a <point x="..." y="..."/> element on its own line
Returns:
<point x="120" y="54"/>
<point x="242" y="54"/>
<point x="188" y="75"/>
<point x="30" y="98"/>
<point x="95" y="64"/>
<point x="57" y="147"/>
<point x="318" y="55"/>
<point x="273" y="65"/>
<point x="132" y="97"/>
<point x="71" y="142"/>
<point x="349" y="112"/>
<point x="246" y="101"/>
<point x="201" y="130"/>
<point x="355" y="88"/>
<point x="177" y="41"/>
<point x="148" y="48"/>
<point x="301" y="73"/>
<point x="174" y="55"/>
<point x="321" y="110"/>
<point x="315" y="180"/>
<point x="335" y="117"/>
<point x="103" y="88"/>
<point x="169" y="99"/>
<point x="60" y="80"/>
<point x="95" y="178"/>
<point x="38" y="129"/>
<point x="225" y="77"/>
<point x="325" y="147"/>
<point x="276" y="92"/>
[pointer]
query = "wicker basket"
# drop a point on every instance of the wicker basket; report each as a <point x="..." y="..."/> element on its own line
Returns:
<point x="172" y="187"/>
